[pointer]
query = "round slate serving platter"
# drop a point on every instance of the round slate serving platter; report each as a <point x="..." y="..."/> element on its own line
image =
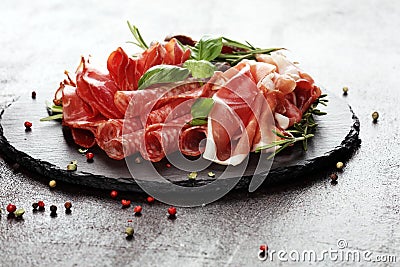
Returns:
<point x="48" y="148"/>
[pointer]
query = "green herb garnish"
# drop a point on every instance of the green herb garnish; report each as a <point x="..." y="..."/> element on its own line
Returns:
<point x="301" y="131"/>
<point x="138" y="37"/>
<point x="208" y="48"/>
<point x="162" y="74"/>
<point x="200" y="68"/>
<point x="200" y="110"/>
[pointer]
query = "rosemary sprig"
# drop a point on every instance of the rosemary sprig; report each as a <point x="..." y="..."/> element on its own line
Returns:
<point x="138" y="37"/>
<point x="236" y="57"/>
<point x="301" y="131"/>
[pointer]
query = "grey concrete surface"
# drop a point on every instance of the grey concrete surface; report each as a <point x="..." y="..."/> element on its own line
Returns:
<point x="341" y="43"/>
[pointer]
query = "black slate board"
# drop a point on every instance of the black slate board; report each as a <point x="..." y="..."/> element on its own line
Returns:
<point x="48" y="148"/>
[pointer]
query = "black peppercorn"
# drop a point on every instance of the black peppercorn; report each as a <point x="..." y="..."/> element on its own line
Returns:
<point x="35" y="205"/>
<point x="53" y="208"/>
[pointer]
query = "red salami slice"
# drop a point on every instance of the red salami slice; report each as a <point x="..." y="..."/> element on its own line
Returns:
<point x="139" y="98"/>
<point x="161" y="139"/>
<point x="190" y="140"/>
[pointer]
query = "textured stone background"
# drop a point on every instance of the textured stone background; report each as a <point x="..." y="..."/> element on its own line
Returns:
<point x="352" y="43"/>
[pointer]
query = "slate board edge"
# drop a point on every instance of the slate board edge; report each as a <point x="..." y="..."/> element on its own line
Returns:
<point x="279" y="175"/>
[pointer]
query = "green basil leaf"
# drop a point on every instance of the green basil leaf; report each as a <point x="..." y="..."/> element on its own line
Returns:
<point x="162" y="74"/>
<point x="200" y="68"/>
<point x="201" y="108"/>
<point x="208" y="48"/>
<point x="198" y="122"/>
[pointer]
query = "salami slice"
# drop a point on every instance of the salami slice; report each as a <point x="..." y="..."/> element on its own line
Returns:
<point x="161" y="139"/>
<point x="190" y="140"/>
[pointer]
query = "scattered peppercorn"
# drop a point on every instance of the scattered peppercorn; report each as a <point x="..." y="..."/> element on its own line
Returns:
<point x="211" y="174"/>
<point x="172" y="211"/>
<point x="52" y="183"/>
<point x="168" y="165"/>
<point x="263" y="247"/>
<point x="83" y="150"/>
<point x="89" y="156"/>
<point x="137" y="210"/>
<point x="125" y="203"/>
<point x="375" y="116"/>
<point x="339" y="165"/>
<point x="35" y="206"/>
<point x="19" y="212"/>
<point x="28" y="125"/>
<point x="33" y="95"/>
<point x="345" y="90"/>
<point x="333" y="176"/>
<point x="114" y="194"/>
<point x="129" y="220"/>
<point x="41" y="205"/>
<point x="150" y="199"/>
<point x="129" y="231"/>
<point x="192" y="175"/>
<point x="68" y="205"/>
<point x="53" y="208"/>
<point x="71" y="167"/>
<point x="11" y="208"/>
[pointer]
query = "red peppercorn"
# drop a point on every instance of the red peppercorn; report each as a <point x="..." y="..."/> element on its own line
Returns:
<point x="168" y="165"/>
<point x="114" y="194"/>
<point x="263" y="247"/>
<point x="89" y="156"/>
<point x="125" y="203"/>
<point x="11" y="208"/>
<point x="40" y="204"/>
<point x="28" y="124"/>
<point x="172" y="211"/>
<point x="137" y="209"/>
<point x="150" y="199"/>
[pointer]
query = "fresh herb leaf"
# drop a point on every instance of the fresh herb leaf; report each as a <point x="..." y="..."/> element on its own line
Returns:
<point x="201" y="108"/>
<point x="200" y="68"/>
<point x="208" y="48"/>
<point x="198" y="122"/>
<point x="53" y="117"/>
<point x="138" y="37"/>
<point x="162" y="74"/>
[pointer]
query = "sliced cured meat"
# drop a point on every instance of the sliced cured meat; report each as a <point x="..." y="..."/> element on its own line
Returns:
<point x="161" y="139"/>
<point x="139" y="98"/>
<point x="230" y="120"/>
<point x="83" y="138"/>
<point x="190" y="140"/>
<point x="174" y="53"/>
<point x="126" y="71"/>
